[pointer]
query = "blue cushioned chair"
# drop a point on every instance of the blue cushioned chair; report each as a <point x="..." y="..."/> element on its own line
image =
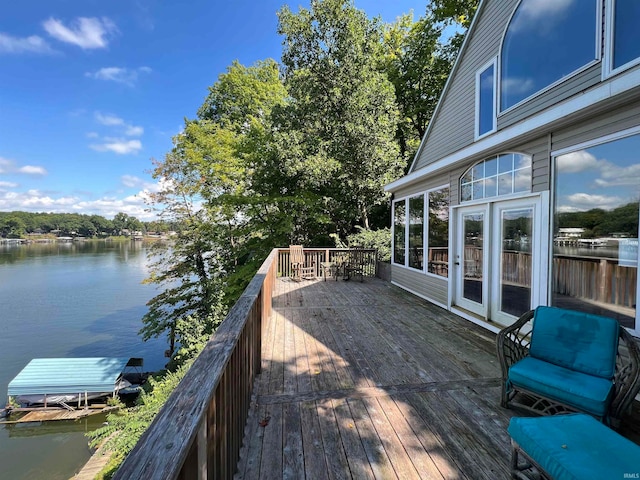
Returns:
<point x="555" y="360"/>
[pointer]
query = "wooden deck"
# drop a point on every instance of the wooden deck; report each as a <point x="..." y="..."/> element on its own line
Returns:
<point x="363" y="380"/>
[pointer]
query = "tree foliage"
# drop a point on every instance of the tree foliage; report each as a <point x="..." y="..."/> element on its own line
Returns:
<point x="341" y="123"/>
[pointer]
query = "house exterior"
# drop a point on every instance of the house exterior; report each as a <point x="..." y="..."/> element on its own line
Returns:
<point x="537" y="131"/>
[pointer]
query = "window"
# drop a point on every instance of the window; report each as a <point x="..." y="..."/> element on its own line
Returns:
<point x="595" y="240"/>
<point x="411" y="247"/>
<point x="416" y="231"/>
<point x="504" y="174"/>
<point x="439" y="232"/>
<point x="486" y="100"/>
<point x="546" y="41"/>
<point x="399" y="225"/>
<point x="626" y="35"/>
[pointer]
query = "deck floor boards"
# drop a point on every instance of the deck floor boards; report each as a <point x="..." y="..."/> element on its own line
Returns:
<point x="364" y="380"/>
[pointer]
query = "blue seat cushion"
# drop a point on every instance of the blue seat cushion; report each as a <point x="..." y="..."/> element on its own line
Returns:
<point x="581" y="391"/>
<point x="576" y="446"/>
<point x="579" y="341"/>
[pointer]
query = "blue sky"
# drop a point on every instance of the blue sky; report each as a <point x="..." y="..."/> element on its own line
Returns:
<point x="91" y="91"/>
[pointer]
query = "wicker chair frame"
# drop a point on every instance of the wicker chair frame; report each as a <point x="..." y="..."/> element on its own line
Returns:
<point x="513" y="345"/>
<point x="527" y="468"/>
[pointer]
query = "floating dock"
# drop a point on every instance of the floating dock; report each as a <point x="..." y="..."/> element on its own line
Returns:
<point x="52" y="414"/>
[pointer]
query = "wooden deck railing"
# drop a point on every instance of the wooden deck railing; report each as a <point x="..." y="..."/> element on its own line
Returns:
<point x="198" y="433"/>
<point x="316" y="256"/>
<point x="600" y="279"/>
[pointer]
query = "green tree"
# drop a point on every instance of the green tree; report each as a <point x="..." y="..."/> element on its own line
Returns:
<point x="418" y="64"/>
<point x="338" y="129"/>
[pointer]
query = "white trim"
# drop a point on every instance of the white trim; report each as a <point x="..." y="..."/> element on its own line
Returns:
<point x="478" y="321"/>
<point x="445" y="89"/>
<point x="424" y="238"/>
<point x="586" y="66"/>
<point x="494" y="117"/>
<point x="424" y="297"/>
<point x="608" y="69"/>
<point x="393" y="230"/>
<point x="605" y="91"/>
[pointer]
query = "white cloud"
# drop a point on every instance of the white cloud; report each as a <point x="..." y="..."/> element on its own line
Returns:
<point x="108" y="120"/>
<point x="134" y="131"/>
<point x="576" y="162"/>
<point x="118" y="145"/>
<point x="114" y="121"/>
<point x="585" y="201"/>
<point x="131" y="181"/>
<point x="519" y="86"/>
<point x="616" y="176"/>
<point x="92" y="135"/>
<point x="541" y="16"/>
<point x="37" y="201"/>
<point x="125" y="76"/>
<point x="7" y="185"/>
<point x="85" y="32"/>
<point x="10" y="167"/>
<point x="541" y="10"/>
<point x="32" y="170"/>
<point x="31" y="44"/>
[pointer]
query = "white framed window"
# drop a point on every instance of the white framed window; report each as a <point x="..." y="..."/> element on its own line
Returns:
<point x="503" y="174"/>
<point x="486" y="99"/>
<point x="622" y="36"/>
<point x="421" y="231"/>
<point x="416" y="236"/>
<point x="596" y="218"/>
<point x="399" y="232"/>
<point x="544" y="44"/>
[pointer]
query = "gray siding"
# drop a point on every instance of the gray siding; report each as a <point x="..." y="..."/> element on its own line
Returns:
<point x="430" y="287"/>
<point x="433" y="181"/>
<point x="605" y="123"/>
<point x="579" y="83"/>
<point x="453" y="127"/>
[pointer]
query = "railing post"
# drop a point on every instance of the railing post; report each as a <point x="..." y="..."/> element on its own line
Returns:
<point x="202" y="449"/>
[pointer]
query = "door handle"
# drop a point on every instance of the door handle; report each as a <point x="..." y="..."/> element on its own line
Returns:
<point x="457" y="263"/>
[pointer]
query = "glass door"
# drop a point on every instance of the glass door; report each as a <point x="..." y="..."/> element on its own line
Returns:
<point x="512" y="258"/>
<point x="471" y="259"/>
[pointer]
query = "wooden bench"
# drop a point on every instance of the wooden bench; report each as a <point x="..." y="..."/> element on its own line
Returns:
<point x="566" y="447"/>
<point x="556" y="361"/>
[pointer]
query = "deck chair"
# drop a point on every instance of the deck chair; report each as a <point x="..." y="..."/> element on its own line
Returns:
<point x="299" y="268"/>
<point x="355" y="263"/>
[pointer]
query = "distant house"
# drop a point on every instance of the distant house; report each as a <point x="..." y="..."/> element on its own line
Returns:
<point x="540" y="117"/>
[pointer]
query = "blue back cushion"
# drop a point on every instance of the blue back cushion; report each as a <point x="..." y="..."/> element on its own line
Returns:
<point x="579" y="341"/>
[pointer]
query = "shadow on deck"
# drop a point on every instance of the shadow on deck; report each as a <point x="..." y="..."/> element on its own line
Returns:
<point x="363" y="380"/>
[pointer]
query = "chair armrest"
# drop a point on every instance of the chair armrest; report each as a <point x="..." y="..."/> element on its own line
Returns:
<point x="512" y="343"/>
<point x="626" y="380"/>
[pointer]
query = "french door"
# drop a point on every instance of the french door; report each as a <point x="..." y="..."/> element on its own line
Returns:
<point x="498" y="258"/>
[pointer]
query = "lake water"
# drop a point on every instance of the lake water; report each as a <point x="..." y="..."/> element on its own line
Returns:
<point x="67" y="300"/>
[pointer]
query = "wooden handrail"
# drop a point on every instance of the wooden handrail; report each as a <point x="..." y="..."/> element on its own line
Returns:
<point x="317" y="255"/>
<point x="198" y="432"/>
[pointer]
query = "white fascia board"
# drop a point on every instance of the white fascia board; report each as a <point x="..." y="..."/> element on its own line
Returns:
<point x="605" y="91"/>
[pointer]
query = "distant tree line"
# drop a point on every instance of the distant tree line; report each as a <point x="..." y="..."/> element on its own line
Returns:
<point x="598" y="222"/>
<point x="19" y="224"/>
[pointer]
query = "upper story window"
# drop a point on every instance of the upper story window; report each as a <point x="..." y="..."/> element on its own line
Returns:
<point x="626" y="34"/>
<point x="486" y="100"/>
<point x="546" y="41"/>
<point x="504" y="174"/>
